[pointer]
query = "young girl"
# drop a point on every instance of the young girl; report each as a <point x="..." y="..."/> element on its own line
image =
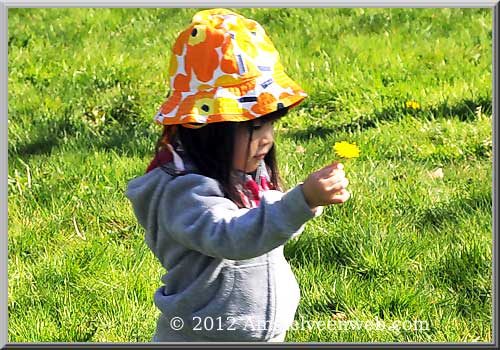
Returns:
<point x="211" y="201"/>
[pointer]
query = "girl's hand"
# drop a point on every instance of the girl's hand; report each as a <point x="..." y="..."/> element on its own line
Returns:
<point x="326" y="186"/>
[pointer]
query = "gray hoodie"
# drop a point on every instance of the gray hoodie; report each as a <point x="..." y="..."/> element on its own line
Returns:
<point x="227" y="278"/>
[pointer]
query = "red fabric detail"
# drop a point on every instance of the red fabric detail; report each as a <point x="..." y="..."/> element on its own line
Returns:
<point x="252" y="186"/>
<point x="254" y="190"/>
<point x="162" y="157"/>
<point x="263" y="183"/>
<point x="244" y="200"/>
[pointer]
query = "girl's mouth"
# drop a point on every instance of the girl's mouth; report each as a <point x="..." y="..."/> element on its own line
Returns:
<point x="260" y="156"/>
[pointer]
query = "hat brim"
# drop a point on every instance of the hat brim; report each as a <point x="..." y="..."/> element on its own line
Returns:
<point x="246" y="101"/>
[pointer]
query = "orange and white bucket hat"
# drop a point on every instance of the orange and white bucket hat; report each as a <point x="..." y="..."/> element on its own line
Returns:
<point x="225" y="68"/>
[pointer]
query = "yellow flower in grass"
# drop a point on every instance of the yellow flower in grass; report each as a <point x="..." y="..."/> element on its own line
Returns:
<point x="413" y="104"/>
<point x="346" y="150"/>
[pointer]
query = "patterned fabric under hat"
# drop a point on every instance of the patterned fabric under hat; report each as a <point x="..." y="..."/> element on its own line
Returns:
<point x="255" y="186"/>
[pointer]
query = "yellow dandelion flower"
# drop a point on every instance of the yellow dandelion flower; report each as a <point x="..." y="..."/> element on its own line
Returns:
<point x="412" y="104"/>
<point x="346" y="150"/>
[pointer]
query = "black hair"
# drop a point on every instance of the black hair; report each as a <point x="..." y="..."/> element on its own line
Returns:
<point x="211" y="149"/>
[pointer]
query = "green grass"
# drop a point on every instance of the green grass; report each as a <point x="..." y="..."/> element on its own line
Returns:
<point x="85" y="83"/>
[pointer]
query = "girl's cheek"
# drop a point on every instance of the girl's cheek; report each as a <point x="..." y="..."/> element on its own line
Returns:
<point x="253" y="148"/>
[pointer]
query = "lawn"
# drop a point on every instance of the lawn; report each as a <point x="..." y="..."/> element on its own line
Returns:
<point x="412" y="88"/>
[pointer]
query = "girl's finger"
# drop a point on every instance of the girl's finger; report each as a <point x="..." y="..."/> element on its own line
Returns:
<point x="329" y="170"/>
<point x="336" y="176"/>
<point x="336" y="184"/>
<point x="341" y="197"/>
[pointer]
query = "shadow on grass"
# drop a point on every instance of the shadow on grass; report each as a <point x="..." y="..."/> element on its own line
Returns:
<point x="466" y="271"/>
<point x="333" y="252"/>
<point x="449" y="213"/>
<point x="44" y="137"/>
<point x="55" y="133"/>
<point x="322" y="251"/>
<point x="108" y="118"/>
<point x="42" y="145"/>
<point x="465" y="110"/>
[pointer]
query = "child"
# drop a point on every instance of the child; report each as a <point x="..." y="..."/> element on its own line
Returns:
<point x="211" y="201"/>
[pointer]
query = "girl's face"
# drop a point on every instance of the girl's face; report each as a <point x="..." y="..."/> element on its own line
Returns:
<point x="260" y="144"/>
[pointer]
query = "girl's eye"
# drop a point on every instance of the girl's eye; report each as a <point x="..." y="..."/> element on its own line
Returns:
<point x="259" y="125"/>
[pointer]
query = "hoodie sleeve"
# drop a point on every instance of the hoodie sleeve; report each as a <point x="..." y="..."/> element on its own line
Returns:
<point x="194" y="212"/>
